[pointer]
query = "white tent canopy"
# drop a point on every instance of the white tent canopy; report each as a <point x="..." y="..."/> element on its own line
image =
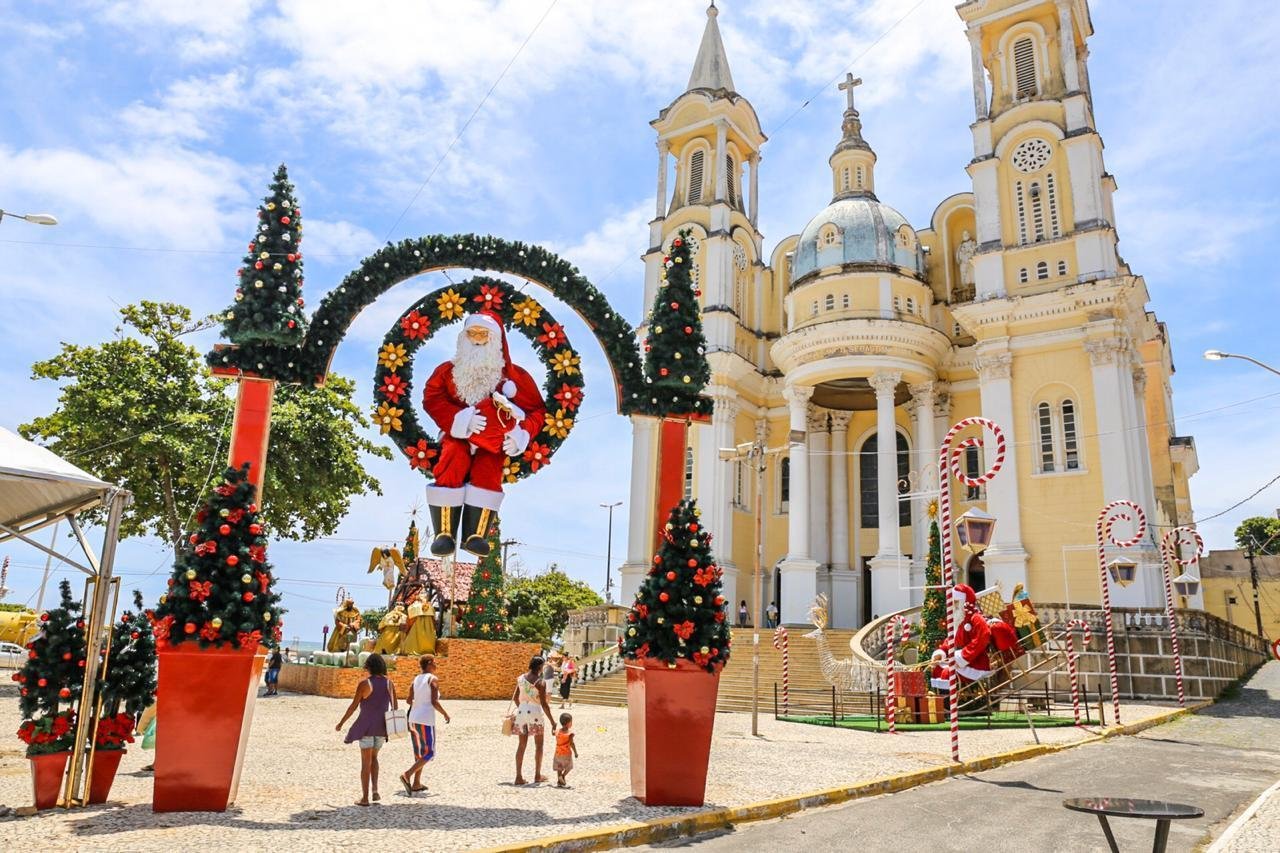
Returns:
<point x="38" y="487"/>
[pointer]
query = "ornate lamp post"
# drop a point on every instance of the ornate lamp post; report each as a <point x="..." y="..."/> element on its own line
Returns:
<point x="977" y="530"/>
<point x="1185" y="584"/>
<point x="1122" y="570"/>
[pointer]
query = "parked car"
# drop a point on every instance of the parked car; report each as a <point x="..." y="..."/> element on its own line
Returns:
<point x="12" y="656"/>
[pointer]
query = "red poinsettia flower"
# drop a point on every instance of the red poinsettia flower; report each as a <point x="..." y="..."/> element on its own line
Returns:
<point x="537" y="455"/>
<point x="235" y="515"/>
<point x="420" y="454"/>
<point x="258" y="553"/>
<point x="569" y="396"/>
<point x="206" y="548"/>
<point x="719" y="615"/>
<point x="552" y="335"/>
<point x="703" y="577"/>
<point x="490" y="296"/>
<point x="202" y="515"/>
<point x="642" y="651"/>
<point x="226" y="490"/>
<point x="249" y="638"/>
<point x="642" y="610"/>
<point x="198" y="591"/>
<point x="683" y="630"/>
<point x="393" y="387"/>
<point x="414" y="325"/>
<point x="700" y="659"/>
<point x="208" y="632"/>
<point x="160" y="629"/>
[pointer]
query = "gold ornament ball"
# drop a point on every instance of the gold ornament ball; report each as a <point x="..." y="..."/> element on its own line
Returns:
<point x="271" y="205"/>
<point x="164" y="597"/>
<point x="706" y="650"/>
<point x="687" y="380"/>
<point x="216" y="622"/>
<point x="661" y="620"/>
<point x="266" y="617"/>
<point x="631" y="632"/>
<point x="697" y="599"/>
<point x="657" y="330"/>
<point x="245" y="578"/>
<point x="191" y="574"/>
<point x="679" y="356"/>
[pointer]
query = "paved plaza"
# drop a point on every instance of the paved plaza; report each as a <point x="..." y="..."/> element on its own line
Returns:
<point x="300" y="781"/>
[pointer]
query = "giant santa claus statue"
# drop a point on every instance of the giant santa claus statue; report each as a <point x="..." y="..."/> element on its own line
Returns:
<point x="972" y="637"/>
<point x="487" y="409"/>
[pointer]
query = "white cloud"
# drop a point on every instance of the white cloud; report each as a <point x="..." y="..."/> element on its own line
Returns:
<point x="187" y="109"/>
<point x="194" y="31"/>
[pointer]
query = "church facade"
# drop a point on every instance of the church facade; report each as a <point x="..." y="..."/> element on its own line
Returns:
<point x="851" y="347"/>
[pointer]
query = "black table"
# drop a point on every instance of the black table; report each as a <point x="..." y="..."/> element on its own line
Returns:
<point x="1157" y="810"/>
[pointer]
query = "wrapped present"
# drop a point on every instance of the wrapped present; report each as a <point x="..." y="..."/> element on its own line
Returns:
<point x="909" y="682"/>
<point x="928" y="708"/>
<point x="905" y="712"/>
<point x="1021" y="614"/>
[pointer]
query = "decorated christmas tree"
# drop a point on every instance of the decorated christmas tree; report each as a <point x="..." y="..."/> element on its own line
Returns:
<point x="51" y="679"/>
<point x="679" y="610"/>
<point x="410" y="550"/>
<point x="934" y="613"/>
<point x="130" y="681"/>
<point x="220" y="592"/>
<point x="484" y="616"/>
<point x="268" y="305"/>
<point x="675" y="364"/>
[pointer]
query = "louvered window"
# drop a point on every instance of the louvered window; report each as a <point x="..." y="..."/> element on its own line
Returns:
<point x="1037" y="211"/>
<point x="1021" y="202"/>
<point x="731" y="176"/>
<point x="1024" y="67"/>
<point x="1044" y="419"/>
<point x="1052" y="192"/>
<point x="695" y="176"/>
<point x="844" y="179"/>
<point x="1070" y="444"/>
<point x="859" y="177"/>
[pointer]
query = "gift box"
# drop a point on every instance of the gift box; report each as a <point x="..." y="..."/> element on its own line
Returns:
<point x="909" y="682"/>
<point x="905" y="712"/>
<point x="928" y="709"/>
<point x="1021" y="614"/>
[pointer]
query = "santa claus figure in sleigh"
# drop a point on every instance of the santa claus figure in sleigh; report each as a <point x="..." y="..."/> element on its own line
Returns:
<point x="487" y="409"/>
<point x="977" y="648"/>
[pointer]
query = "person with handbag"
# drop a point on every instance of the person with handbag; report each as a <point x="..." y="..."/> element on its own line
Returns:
<point x="530" y="699"/>
<point x="376" y="698"/>
<point x="424" y="701"/>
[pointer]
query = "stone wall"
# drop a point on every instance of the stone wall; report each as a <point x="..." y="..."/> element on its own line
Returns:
<point x="1214" y="652"/>
<point x="467" y="669"/>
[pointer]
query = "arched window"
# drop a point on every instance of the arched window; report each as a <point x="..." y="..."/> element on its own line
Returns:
<point x="1062" y="267"/>
<point x="829" y="236"/>
<point x="688" y="473"/>
<point x="1058" y="445"/>
<point x="1024" y="68"/>
<point x="731" y="172"/>
<point x="814" y="307"/>
<point x="784" y="484"/>
<point x="897" y="304"/>
<point x="1070" y="444"/>
<point x="830" y="302"/>
<point x="844" y="302"/>
<point x="868" y="485"/>
<point x="1022" y="275"/>
<point x="1042" y="270"/>
<point x="1044" y="424"/>
<point x="696" y="164"/>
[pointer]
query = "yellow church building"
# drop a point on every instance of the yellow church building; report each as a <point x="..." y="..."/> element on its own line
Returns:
<point x="854" y="344"/>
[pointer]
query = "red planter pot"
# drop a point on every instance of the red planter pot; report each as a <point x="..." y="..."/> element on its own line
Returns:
<point x="670" y="713"/>
<point x="105" y="764"/>
<point x="204" y="707"/>
<point x="47" y="774"/>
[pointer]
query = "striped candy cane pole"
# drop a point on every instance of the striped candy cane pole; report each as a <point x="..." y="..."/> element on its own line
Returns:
<point x="780" y="643"/>
<point x="1072" y="667"/>
<point x="891" y="641"/>
<point x="945" y="473"/>
<point x="1107" y="519"/>
<point x="1169" y="554"/>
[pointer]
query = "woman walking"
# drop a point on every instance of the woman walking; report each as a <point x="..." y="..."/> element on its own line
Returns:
<point x="568" y="671"/>
<point x="374" y="696"/>
<point x="530" y="699"/>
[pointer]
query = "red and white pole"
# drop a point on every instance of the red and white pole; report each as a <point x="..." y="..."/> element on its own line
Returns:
<point x="895" y="625"/>
<point x="781" y="643"/>
<point x="948" y="467"/>
<point x="1107" y="519"/>
<point x="1072" y="666"/>
<point x="1169" y="554"/>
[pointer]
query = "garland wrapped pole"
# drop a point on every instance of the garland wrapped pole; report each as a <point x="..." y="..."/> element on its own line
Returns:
<point x="895" y="625"/>
<point x="1107" y="519"/>
<point x="1072" y="657"/>
<point x="1169" y="554"/>
<point x="781" y="644"/>
<point x="949" y="465"/>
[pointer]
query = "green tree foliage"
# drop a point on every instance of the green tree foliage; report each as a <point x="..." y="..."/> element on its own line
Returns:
<point x="1259" y="535"/>
<point x="484" y="616"/>
<point x="679" y="611"/>
<point x="550" y="595"/>
<point x="934" y="612"/>
<point x="129" y="684"/>
<point x="369" y="620"/>
<point x="221" y="592"/>
<point x="531" y="628"/>
<point x="51" y="679"/>
<point x="143" y="411"/>
<point x="268" y="305"/>
<point x="675" y="365"/>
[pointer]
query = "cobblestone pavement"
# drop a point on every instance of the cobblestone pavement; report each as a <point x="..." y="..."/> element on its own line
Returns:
<point x="299" y="782"/>
<point x="1259" y="702"/>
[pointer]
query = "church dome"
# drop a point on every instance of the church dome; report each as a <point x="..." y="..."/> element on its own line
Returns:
<point x="858" y="230"/>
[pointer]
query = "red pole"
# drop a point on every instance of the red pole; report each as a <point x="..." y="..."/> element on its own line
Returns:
<point x="251" y="429"/>
<point x="1169" y="554"/>
<point x="673" y="438"/>
<point x="1104" y="525"/>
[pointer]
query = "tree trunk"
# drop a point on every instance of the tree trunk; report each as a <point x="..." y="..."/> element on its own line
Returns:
<point x="171" y="509"/>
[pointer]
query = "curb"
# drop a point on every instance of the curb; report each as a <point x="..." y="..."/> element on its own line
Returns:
<point x="1224" y="840"/>
<point x="664" y="829"/>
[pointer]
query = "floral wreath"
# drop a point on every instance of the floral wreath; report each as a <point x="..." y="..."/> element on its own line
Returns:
<point x="393" y="410"/>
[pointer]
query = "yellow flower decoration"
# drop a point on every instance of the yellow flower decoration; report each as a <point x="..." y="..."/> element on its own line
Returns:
<point x="527" y="312"/>
<point x="392" y="356"/>
<point x="388" y="418"/>
<point x="511" y="470"/>
<point x="565" y="361"/>
<point x="449" y="305"/>
<point x="559" y="424"/>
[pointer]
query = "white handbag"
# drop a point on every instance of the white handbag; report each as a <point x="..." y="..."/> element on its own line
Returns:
<point x="397" y="724"/>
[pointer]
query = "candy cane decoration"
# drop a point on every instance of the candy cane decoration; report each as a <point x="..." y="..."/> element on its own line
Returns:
<point x="891" y="641"/>
<point x="781" y="643"/>
<point x="945" y="473"/>
<point x="1072" y="656"/>
<point x="1106" y="521"/>
<point x="1169" y="554"/>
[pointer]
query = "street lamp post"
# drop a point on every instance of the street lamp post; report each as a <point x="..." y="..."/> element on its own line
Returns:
<point x="608" y="555"/>
<point x="1122" y="571"/>
<point x="1219" y="355"/>
<point x="34" y="218"/>
<point x="1169" y="554"/>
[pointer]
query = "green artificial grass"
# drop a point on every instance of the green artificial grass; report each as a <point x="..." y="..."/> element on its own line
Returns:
<point x="999" y="720"/>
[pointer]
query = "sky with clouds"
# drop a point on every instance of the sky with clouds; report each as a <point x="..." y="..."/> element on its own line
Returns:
<point x="151" y="129"/>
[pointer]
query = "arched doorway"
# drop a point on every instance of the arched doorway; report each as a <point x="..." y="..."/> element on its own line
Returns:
<point x="975" y="573"/>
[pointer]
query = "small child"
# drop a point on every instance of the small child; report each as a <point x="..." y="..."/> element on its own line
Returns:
<point x="566" y="750"/>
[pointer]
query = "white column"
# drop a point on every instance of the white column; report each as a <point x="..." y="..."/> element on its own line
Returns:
<point x="755" y="187"/>
<point x="1006" y="559"/>
<point x="979" y="75"/>
<point x="1143" y="446"/>
<point x="717" y="500"/>
<point x="845" y="584"/>
<point x="663" y="147"/>
<point x="926" y="459"/>
<point x="1067" y="41"/>
<point x="722" y="174"/>
<point x="819" y="447"/>
<point x="799" y="571"/>
<point x="889" y="591"/>
<point x="640" y="524"/>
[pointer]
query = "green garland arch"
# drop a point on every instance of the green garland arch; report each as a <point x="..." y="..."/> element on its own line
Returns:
<point x="395" y="412"/>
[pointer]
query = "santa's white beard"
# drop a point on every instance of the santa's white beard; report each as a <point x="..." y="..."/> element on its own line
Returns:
<point x="477" y="369"/>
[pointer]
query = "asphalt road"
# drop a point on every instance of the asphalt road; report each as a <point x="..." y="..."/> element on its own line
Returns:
<point x="1220" y="760"/>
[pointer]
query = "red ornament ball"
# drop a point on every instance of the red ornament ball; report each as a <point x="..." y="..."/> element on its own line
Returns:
<point x="688" y="330"/>
<point x="224" y="529"/>
<point x="65" y="693"/>
<point x="133" y="636"/>
<point x="693" y="528"/>
<point x="248" y="596"/>
<point x="80" y="664"/>
<point x="255" y="529"/>
<point x="257" y="265"/>
<point x="189" y="628"/>
<point x="675" y="305"/>
<point x="658" y="560"/>
<point x="44" y="617"/>
<point x="253" y="507"/>
<point x="671" y="576"/>
<point x="284" y="220"/>
<point x="662" y="596"/>
<point x="66" y="655"/>
<point x="193" y="538"/>
<point x="24" y="691"/>
<point x="43" y="682"/>
<point x="662" y="371"/>
<point x="693" y="563"/>
<point x="232" y="560"/>
<point x="677" y="242"/>
<point x="290" y="257"/>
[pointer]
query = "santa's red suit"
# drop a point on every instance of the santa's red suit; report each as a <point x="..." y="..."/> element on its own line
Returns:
<point x="477" y="437"/>
<point x="971" y="638"/>
<point x="1005" y="639"/>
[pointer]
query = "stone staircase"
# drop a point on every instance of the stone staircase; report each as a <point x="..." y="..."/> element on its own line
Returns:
<point x="808" y="688"/>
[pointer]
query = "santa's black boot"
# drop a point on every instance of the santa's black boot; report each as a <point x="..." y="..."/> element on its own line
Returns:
<point x="475" y="526"/>
<point x="444" y="519"/>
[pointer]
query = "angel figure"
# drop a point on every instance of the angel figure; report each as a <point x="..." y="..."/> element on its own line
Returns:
<point x="389" y="560"/>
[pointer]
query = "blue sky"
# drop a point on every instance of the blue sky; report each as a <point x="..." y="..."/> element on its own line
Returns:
<point x="151" y="130"/>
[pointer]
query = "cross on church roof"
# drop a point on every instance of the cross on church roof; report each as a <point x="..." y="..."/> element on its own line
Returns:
<point x="847" y="87"/>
